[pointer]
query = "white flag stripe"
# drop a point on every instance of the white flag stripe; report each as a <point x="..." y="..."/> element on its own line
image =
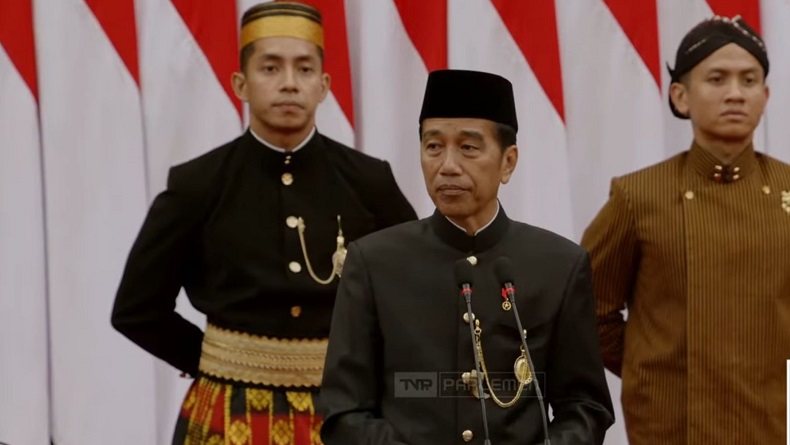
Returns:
<point x="538" y="192"/>
<point x="776" y="31"/>
<point x="389" y="86"/>
<point x="186" y="110"/>
<point x="613" y="105"/>
<point x="24" y="383"/>
<point x="93" y="153"/>
<point x="332" y="122"/>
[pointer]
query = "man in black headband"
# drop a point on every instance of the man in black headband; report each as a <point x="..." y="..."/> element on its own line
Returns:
<point x="399" y="318"/>
<point x="697" y="249"/>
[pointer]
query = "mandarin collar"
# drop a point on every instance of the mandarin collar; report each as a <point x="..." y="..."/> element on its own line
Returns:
<point x="460" y="240"/>
<point x="709" y="167"/>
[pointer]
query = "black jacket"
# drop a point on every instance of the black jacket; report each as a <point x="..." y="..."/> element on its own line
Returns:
<point x="219" y="231"/>
<point x="399" y="343"/>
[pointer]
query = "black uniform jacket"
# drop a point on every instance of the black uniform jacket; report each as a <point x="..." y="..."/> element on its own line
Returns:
<point x="221" y="231"/>
<point x="399" y="342"/>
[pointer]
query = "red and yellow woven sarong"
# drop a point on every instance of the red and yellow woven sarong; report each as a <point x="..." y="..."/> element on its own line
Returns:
<point x="216" y="413"/>
<point x="253" y="391"/>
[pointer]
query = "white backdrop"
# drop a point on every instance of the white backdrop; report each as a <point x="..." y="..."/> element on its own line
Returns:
<point x="99" y="97"/>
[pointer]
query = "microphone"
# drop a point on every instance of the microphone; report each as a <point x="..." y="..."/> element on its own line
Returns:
<point x="503" y="269"/>
<point x="464" y="276"/>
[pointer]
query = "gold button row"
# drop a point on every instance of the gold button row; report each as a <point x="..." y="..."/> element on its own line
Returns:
<point x="690" y="194"/>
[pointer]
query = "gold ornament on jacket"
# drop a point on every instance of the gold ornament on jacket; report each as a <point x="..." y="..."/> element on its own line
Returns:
<point x="786" y="201"/>
<point x="521" y="368"/>
<point x="338" y="258"/>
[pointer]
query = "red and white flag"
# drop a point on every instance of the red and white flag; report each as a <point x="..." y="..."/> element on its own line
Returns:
<point x="113" y="93"/>
<point x="393" y="46"/>
<point x="24" y="381"/>
<point x="519" y="41"/>
<point x="614" y="103"/>
<point x="94" y="176"/>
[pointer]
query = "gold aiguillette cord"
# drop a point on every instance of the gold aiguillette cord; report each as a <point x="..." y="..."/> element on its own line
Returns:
<point x="338" y="258"/>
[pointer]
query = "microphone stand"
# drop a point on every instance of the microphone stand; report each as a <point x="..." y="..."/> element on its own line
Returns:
<point x="523" y="337"/>
<point x="467" y="293"/>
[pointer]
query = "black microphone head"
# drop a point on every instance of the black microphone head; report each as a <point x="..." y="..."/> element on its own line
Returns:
<point x="503" y="269"/>
<point x="464" y="273"/>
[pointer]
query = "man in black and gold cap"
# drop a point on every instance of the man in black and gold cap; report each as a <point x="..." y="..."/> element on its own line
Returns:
<point x="255" y="232"/>
<point x="697" y="249"/>
<point x="400" y="368"/>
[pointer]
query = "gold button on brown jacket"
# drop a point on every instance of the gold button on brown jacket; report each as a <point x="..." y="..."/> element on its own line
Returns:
<point x="698" y="253"/>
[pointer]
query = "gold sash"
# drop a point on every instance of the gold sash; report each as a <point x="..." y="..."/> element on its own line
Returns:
<point x="262" y="360"/>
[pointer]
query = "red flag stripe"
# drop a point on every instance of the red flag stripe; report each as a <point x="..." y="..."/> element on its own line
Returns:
<point x="117" y="19"/>
<point x="16" y="36"/>
<point x="748" y="9"/>
<point x="639" y="21"/>
<point x="426" y="24"/>
<point x="213" y="25"/>
<point x="533" y="25"/>
<point x="333" y="14"/>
